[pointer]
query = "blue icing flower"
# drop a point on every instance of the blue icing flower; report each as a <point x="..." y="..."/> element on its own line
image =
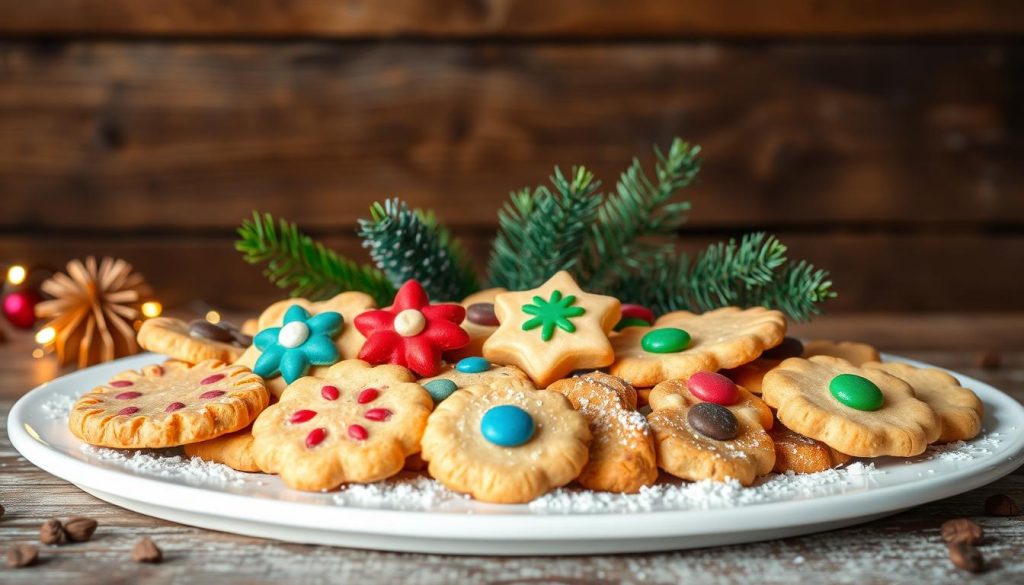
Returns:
<point x="302" y="341"/>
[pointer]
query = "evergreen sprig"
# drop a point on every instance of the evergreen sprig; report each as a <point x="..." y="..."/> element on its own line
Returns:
<point x="543" y="231"/>
<point x="295" y="261"/>
<point x="411" y="244"/>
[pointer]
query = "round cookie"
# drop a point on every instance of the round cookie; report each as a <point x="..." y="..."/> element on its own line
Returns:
<point x="233" y="449"/>
<point x="192" y="343"/>
<point x="795" y="453"/>
<point x="622" y="457"/>
<point x="168" y="405"/>
<point x="495" y="376"/>
<point x="854" y="352"/>
<point x="505" y="446"/>
<point x="480" y="323"/>
<point x="677" y="393"/>
<point x="356" y="424"/>
<point x="750" y="375"/>
<point x="688" y="453"/>
<point x="959" y="409"/>
<point x="723" y="338"/>
<point x="809" y="397"/>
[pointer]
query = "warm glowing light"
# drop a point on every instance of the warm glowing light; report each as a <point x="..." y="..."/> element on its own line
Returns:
<point x="16" y="274"/>
<point x="46" y="335"/>
<point x="213" y="317"/>
<point x="152" y="309"/>
<point x="38" y="353"/>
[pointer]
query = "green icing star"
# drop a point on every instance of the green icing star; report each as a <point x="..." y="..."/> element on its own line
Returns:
<point x="551" y="313"/>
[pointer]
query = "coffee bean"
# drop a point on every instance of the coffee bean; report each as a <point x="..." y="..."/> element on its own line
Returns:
<point x="966" y="557"/>
<point x="146" y="551"/>
<point x="207" y="330"/>
<point x="990" y="359"/>
<point x="52" y="532"/>
<point x="80" y="529"/>
<point x="961" y="530"/>
<point x="713" y="420"/>
<point x="1001" y="505"/>
<point x="482" y="314"/>
<point x="22" y="555"/>
<point x="790" y="347"/>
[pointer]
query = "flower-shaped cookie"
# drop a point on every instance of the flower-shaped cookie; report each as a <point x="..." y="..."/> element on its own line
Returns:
<point x="723" y="338"/>
<point x="858" y="411"/>
<point x="959" y="409"/>
<point x="854" y="352"/>
<point x="412" y="332"/>
<point x="304" y="340"/>
<point x="677" y="393"/>
<point x="168" y="405"/>
<point x="553" y="329"/>
<point x="799" y="454"/>
<point x="356" y="424"/>
<point x="505" y="446"/>
<point x="483" y="374"/>
<point x="688" y="448"/>
<point x="480" y="323"/>
<point x="348" y="342"/>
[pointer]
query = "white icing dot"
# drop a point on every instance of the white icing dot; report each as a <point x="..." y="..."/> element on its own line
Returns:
<point x="293" y="334"/>
<point x="409" y="322"/>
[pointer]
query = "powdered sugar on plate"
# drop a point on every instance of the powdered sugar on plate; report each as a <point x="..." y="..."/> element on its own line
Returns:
<point x="172" y="465"/>
<point x="962" y="451"/>
<point x="58" y="407"/>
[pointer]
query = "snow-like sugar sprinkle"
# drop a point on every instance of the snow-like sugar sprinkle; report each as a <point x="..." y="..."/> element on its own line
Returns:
<point x="408" y="491"/>
<point x="963" y="451"/>
<point x="172" y="466"/>
<point x="58" y="407"/>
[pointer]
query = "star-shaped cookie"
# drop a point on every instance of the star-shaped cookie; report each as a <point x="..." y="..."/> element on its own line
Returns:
<point x="553" y="329"/>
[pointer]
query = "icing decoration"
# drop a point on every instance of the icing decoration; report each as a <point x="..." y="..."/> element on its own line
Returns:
<point x="635" y="316"/>
<point x="554" y="312"/>
<point x="302" y="341"/>
<point x="507" y="426"/>
<point x="482" y="314"/>
<point x="856" y="392"/>
<point x="714" y="421"/>
<point x="713" y="387"/>
<point x="665" y="340"/>
<point x="440" y="389"/>
<point x="473" y="365"/>
<point x="790" y="347"/>
<point x="390" y="338"/>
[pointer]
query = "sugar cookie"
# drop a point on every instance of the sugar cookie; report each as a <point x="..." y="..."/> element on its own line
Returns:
<point x="799" y="454"/>
<point x="473" y="371"/>
<point x="480" y="323"/>
<point x="192" y="342"/>
<point x="233" y="449"/>
<point x="679" y="393"/>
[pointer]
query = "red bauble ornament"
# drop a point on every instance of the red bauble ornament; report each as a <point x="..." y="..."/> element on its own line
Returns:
<point x="20" y="308"/>
<point x="412" y="332"/>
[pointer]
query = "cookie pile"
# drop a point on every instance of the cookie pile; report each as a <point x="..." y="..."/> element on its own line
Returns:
<point x="511" y="394"/>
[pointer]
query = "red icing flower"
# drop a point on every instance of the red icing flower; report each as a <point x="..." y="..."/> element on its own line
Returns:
<point x="411" y="332"/>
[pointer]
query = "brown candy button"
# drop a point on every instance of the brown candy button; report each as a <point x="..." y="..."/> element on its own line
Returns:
<point x="790" y="347"/>
<point x="482" y="314"/>
<point x="714" y="421"/>
<point x="207" y="330"/>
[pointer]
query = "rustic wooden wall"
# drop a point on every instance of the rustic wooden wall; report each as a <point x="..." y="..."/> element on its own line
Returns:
<point x="883" y="140"/>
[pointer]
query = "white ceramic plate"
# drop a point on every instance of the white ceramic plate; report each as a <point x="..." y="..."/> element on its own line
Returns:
<point x="416" y="515"/>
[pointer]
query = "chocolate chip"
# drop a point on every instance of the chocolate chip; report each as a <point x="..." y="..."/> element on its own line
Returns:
<point x="1001" y="505"/>
<point x="790" y="347"/>
<point x="713" y="420"/>
<point x="80" y="529"/>
<point x="482" y="314"/>
<point x="207" y="330"/>
<point x="241" y="339"/>
<point x="52" y="532"/>
<point x="966" y="557"/>
<point x="22" y="555"/>
<point x="146" y="551"/>
<point x="961" y="530"/>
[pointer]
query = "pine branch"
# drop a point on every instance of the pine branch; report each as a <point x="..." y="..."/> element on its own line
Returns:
<point x="411" y="244"/>
<point x="637" y="210"/>
<point x="296" y="262"/>
<point x="797" y="291"/>
<point x="544" y="231"/>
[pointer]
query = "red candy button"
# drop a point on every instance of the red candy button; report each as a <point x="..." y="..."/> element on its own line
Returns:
<point x="120" y="384"/>
<point x="712" y="387"/>
<point x="358" y="432"/>
<point x="128" y="395"/>
<point x="368" y="395"/>
<point x="637" y="312"/>
<point x="128" y="411"/>
<point x="329" y="392"/>
<point x="174" y="406"/>
<point x="315" y="437"/>
<point x="377" y="414"/>
<point x="301" y="416"/>
<point x="211" y="379"/>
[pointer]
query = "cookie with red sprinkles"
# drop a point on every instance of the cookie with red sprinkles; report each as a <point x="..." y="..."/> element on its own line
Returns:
<point x="168" y="405"/>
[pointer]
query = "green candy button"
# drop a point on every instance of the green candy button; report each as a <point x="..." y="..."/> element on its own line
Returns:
<point x="665" y="340"/>
<point x="856" y="392"/>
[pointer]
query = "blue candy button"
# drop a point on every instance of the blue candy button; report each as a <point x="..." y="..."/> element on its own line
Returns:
<point x="507" y="426"/>
<point x="473" y="365"/>
<point x="440" y="389"/>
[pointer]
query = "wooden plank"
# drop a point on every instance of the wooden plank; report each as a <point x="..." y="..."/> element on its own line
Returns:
<point x="872" y="272"/>
<point x="513" y="18"/>
<point x="142" y="135"/>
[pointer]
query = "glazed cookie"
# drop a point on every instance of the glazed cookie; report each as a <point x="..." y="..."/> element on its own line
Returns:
<point x="169" y="405"/>
<point x="706" y="441"/>
<point x="356" y="424"/>
<point x="712" y="387"/>
<point x="233" y="449"/>
<point x="345" y="338"/>
<point x="193" y="342"/>
<point x="958" y="408"/>
<point x="480" y="322"/>
<point x="505" y="446"/>
<point x="412" y="332"/>
<point x="477" y="371"/>
<point x="553" y="330"/>
<point x="858" y="411"/>
<point x="622" y="456"/>
<point x="681" y="343"/>
<point x="856" y="353"/>
<point x="796" y="453"/>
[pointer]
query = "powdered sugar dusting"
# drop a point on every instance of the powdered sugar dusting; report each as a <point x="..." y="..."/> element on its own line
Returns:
<point x="408" y="491"/>
<point x="171" y="466"/>
<point x="58" y="407"/>
<point x="963" y="451"/>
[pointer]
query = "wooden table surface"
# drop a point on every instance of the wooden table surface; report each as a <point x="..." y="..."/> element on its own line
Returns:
<point x="905" y="548"/>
